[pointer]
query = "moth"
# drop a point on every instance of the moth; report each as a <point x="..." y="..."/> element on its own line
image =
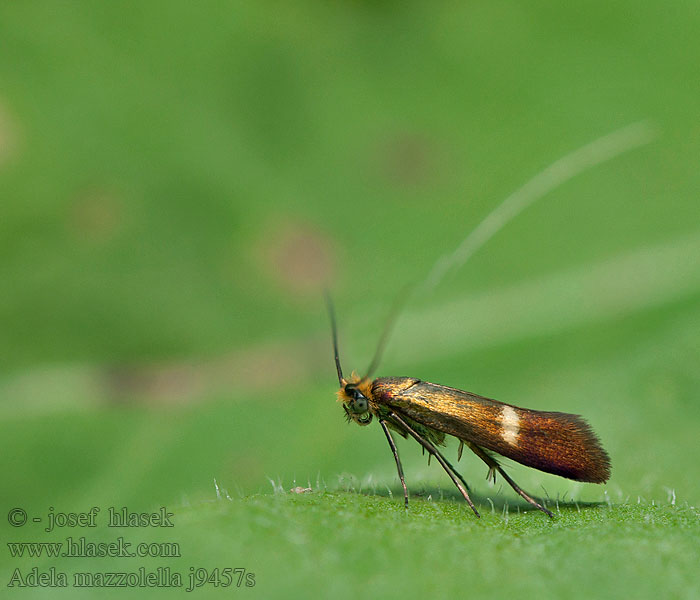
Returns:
<point x="554" y="442"/>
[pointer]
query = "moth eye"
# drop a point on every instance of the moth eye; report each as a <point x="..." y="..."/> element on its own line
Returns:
<point x="360" y="403"/>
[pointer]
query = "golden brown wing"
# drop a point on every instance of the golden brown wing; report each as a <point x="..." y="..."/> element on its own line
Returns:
<point x="554" y="442"/>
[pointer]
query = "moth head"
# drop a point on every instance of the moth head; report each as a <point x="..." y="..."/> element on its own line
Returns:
<point x="355" y="396"/>
<point x="355" y="393"/>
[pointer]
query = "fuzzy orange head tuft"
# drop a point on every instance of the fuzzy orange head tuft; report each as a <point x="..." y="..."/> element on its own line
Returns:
<point x="361" y="383"/>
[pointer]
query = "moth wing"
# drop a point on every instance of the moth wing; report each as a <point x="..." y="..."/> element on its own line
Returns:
<point x="553" y="442"/>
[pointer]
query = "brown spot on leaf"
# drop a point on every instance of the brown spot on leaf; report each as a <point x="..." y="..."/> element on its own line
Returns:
<point x="266" y="367"/>
<point x="174" y="383"/>
<point x="407" y="159"/>
<point x="96" y="216"/>
<point x="298" y="257"/>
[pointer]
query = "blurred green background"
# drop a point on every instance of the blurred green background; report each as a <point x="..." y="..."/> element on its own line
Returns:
<point x="178" y="180"/>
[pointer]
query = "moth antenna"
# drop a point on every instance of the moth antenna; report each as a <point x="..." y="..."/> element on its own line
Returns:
<point x="389" y="325"/>
<point x="334" y="333"/>
<point x="559" y="172"/>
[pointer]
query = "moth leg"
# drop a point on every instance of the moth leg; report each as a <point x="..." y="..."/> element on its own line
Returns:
<point x="494" y="466"/>
<point x="449" y="469"/>
<point x="395" y="450"/>
<point x="455" y="471"/>
<point x="522" y="492"/>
